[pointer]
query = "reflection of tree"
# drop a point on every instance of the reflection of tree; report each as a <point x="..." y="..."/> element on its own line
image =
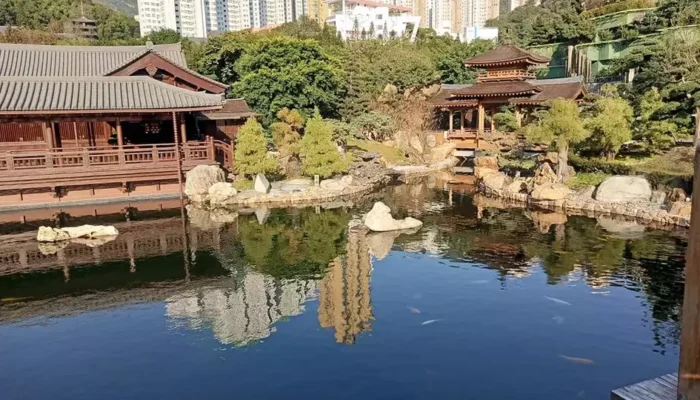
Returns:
<point x="344" y="300"/>
<point x="293" y="245"/>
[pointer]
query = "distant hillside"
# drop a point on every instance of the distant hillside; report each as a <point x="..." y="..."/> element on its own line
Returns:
<point x="129" y="7"/>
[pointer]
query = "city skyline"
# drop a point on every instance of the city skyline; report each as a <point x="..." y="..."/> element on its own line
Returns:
<point x="201" y="18"/>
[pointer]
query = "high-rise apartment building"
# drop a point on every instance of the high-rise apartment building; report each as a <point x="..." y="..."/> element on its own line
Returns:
<point x="198" y="18"/>
<point x="477" y="12"/>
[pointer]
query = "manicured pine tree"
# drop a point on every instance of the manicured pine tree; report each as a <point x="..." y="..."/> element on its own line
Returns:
<point x="251" y="151"/>
<point x="320" y="154"/>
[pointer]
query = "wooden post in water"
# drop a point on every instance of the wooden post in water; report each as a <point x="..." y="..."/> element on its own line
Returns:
<point x="689" y="368"/>
<point x="178" y="158"/>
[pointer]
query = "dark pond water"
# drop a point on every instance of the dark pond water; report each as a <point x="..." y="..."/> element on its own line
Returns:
<point x="482" y="303"/>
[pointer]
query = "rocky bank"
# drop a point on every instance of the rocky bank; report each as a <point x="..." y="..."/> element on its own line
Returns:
<point x="628" y="196"/>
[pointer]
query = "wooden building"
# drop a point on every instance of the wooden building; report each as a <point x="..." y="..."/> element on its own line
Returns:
<point x="79" y="122"/>
<point x="507" y="78"/>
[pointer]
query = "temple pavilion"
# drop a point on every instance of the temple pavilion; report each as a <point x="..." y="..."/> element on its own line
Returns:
<point x="507" y="77"/>
<point x="84" y="122"/>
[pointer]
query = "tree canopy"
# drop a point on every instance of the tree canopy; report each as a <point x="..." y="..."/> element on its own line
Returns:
<point x="280" y="72"/>
<point x="251" y="151"/>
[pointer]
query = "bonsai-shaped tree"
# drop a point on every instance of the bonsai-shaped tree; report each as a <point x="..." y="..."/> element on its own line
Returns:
<point x="251" y="151"/>
<point x="319" y="151"/>
<point x="287" y="133"/>
<point x="559" y="125"/>
<point x="610" y="125"/>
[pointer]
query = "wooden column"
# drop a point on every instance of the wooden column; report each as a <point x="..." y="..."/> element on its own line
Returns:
<point x="183" y="129"/>
<point x="689" y="368"/>
<point x="480" y="128"/>
<point x="178" y="156"/>
<point x="48" y="134"/>
<point x="492" y="112"/>
<point x="462" y="118"/>
<point x="451" y="120"/>
<point x="120" y="134"/>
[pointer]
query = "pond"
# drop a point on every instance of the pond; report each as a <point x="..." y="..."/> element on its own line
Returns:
<point x="482" y="302"/>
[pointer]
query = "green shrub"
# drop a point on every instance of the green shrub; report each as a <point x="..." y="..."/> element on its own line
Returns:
<point x="320" y="153"/>
<point x="584" y="179"/>
<point x="375" y="125"/>
<point x="251" y="151"/>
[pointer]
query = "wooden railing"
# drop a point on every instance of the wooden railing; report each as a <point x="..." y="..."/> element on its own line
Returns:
<point x="505" y="75"/>
<point x="104" y="156"/>
<point x="223" y="153"/>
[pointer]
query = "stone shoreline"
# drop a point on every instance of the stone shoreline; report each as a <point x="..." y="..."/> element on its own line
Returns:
<point x="647" y="213"/>
<point x="316" y="195"/>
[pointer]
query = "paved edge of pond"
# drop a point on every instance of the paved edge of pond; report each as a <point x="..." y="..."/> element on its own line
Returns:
<point x="646" y="213"/>
<point x="318" y="195"/>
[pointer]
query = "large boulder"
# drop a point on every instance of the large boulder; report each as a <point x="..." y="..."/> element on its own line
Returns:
<point x="584" y="194"/>
<point x="337" y="185"/>
<point x="440" y="153"/>
<point x="379" y="219"/>
<point x="261" y="184"/>
<point x="222" y="193"/>
<point x="550" y="192"/>
<point x="494" y="181"/>
<point x="624" y="189"/>
<point x="199" y="179"/>
<point x="49" y="234"/>
<point x="681" y="208"/>
<point x="490" y="162"/>
<point x="416" y="144"/>
<point x="544" y="174"/>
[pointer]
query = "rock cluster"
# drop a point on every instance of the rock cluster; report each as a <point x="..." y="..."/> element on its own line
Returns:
<point x="629" y="196"/>
<point x="199" y="179"/>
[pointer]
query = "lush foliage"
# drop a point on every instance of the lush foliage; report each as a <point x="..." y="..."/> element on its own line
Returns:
<point x="54" y="16"/>
<point x="284" y="72"/>
<point x="505" y="120"/>
<point x="560" y="125"/>
<point x="375" y="125"/>
<point x="553" y="21"/>
<point x="303" y="66"/>
<point x="617" y="7"/>
<point x="251" y="151"/>
<point x="610" y="125"/>
<point x="287" y="133"/>
<point x="320" y="153"/>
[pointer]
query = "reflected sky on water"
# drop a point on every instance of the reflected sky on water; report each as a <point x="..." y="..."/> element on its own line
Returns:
<point x="484" y="301"/>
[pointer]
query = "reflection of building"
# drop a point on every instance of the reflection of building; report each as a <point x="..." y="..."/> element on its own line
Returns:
<point x="344" y="300"/>
<point x="244" y="313"/>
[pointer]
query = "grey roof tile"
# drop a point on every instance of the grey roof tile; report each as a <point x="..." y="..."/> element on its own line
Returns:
<point x="111" y="93"/>
<point x="47" y="60"/>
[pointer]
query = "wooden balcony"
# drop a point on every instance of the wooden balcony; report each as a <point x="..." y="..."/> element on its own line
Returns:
<point x="20" y="170"/>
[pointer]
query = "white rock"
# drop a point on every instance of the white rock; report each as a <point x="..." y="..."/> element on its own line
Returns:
<point x="550" y="192"/>
<point x="49" y="234"/>
<point x="222" y="193"/>
<point x="379" y="219"/>
<point x="623" y="189"/>
<point x="262" y="214"/>
<point x="200" y="179"/>
<point x="440" y="153"/>
<point x="337" y="184"/>
<point x="261" y="184"/>
<point x="495" y="180"/>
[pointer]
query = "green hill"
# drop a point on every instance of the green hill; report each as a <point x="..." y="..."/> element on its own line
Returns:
<point x="128" y="7"/>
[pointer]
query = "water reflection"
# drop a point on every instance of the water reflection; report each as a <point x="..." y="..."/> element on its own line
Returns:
<point x="251" y="271"/>
<point x="243" y="311"/>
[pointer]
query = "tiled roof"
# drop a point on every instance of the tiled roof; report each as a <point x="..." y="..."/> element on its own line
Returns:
<point x="519" y="92"/>
<point x="571" y="90"/>
<point x="500" y="89"/>
<point x="506" y="55"/>
<point x="232" y="109"/>
<point x="113" y="94"/>
<point x="46" y="60"/>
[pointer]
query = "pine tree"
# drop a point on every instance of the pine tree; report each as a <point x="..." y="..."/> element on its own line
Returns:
<point x="251" y="151"/>
<point x="319" y="152"/>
